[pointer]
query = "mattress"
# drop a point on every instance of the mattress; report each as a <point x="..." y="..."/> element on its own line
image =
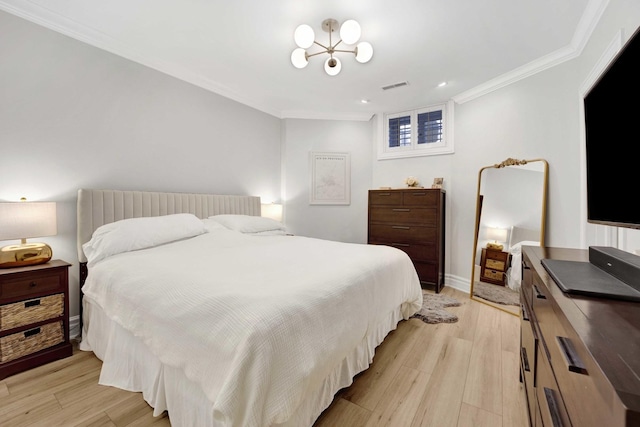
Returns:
<point x="225" y="329"/>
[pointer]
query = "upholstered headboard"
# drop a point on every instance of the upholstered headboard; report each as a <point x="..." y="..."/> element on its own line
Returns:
<point x="99" y="207"/>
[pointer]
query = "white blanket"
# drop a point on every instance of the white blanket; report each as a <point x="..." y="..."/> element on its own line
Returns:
<point x="256" y="321"/>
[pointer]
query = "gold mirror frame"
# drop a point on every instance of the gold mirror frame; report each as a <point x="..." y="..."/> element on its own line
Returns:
<point x="510" y="162"/>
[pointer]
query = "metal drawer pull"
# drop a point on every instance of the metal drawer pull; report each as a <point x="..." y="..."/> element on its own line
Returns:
<point x="400" y="227"/>
<point x="539" y="294"/>
<point x="31" y="332"/>
<point x="525" y="266"/>
<point x="33" y="284"/>
<point x="419" y="194"/>
<point x="401" y="210"/>
<point x="525" y="313"/>
<point x="553" y="407"/>
<point x="571" y="358"/>
<point x="525" y="359"/>
<point x="32" y="303"/>
<point x="404" y="245"/>
<point x="384" y="194"/>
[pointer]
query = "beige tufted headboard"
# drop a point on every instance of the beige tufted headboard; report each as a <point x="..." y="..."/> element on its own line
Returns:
<point x="99" y="207"/>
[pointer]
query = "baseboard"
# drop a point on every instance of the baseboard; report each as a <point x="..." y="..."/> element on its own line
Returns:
<point x="462" y="284"/>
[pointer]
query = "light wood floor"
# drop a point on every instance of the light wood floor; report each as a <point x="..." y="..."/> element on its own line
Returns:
<point x="458" y="374"/>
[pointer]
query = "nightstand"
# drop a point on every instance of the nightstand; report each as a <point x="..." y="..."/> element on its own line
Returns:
<point x="34" y="316"/>
<point x="493" y="266"/>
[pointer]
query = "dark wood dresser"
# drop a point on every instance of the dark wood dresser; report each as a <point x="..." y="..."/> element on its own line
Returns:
<point x="580" y="356"/>
<point x="412" y="220"/>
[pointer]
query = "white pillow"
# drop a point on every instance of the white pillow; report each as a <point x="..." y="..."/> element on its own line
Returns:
<point x="140" y="233"/>
<point x="248" y="224"/>
<point x="211" y="225"/>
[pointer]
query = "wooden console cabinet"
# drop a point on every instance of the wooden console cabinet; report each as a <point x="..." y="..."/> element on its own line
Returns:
<point x="412" y="220"/>
<point x="580" y="356"/>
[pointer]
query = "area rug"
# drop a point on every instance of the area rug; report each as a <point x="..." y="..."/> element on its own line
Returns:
<point x="433" y="308"/>
<point x="494" y="293"/>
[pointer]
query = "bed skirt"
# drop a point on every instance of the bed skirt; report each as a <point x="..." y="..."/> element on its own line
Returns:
<point x="129" y="365"/>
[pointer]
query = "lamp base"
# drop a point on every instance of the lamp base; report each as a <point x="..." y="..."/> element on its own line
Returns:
<point x="496" y="246"/>
<point x="25" y="254"/>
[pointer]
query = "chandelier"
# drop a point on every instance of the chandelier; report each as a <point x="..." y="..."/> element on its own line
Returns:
<point x="349" y="35"/>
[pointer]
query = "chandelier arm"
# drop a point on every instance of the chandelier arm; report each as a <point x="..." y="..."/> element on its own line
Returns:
<point x="322" y="46"/>
<point x="309" y="55"/>
<point x="345" y="51"/>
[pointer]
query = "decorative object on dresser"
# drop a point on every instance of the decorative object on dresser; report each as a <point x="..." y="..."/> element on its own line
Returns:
<point x="34" y="316"/>
<point x="579" y="356"/>
<point x="511" y="192"/>
<point x="412" y="220"/>
<point x="493" y="266"/>
<point x="21" y="220"/>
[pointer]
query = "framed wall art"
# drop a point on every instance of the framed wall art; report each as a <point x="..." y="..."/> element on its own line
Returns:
<point x="330" y="178"/>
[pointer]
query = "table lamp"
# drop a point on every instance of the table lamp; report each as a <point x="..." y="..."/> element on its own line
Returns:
<point x="272" y="210"/>
<point x="22" y="220"/>
<point x="497" y="235"/>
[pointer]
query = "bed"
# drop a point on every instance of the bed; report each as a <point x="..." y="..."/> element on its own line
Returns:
<point x="219" y="317"/>
<point x="519" y="237"/>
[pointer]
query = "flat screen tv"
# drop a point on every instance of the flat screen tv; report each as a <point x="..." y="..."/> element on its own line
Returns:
<point x="612" y="127"/>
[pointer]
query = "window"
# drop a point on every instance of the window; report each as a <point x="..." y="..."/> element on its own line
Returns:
<point x="420" y="132"/>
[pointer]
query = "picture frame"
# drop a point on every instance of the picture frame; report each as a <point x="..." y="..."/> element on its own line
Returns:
<point x="330" y="180"/>
<point x="437" y="182"/>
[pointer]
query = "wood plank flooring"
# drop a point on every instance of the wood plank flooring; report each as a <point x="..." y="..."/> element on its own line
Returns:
<point x="457" y="374"/>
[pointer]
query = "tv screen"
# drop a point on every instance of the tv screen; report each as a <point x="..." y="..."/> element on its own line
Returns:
<point x="612" y="127"/>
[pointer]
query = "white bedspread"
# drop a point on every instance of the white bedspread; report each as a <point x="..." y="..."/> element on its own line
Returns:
<point x="256" y="321"/>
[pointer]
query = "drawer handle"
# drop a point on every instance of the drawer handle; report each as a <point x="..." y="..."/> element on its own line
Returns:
<point x="571" y="358"/>
<point x="525" y="359"/>
<point x="384" y="194"/>
<point x="31" y="332"/>
<point x="33" y="284"/>
<point x="404" y="245"/>
<point x="525" y="313"/>
<point x="539" y="294"/>
<point x="401" y="227"/>
<point x="419" y="194"/>
<point x="401" y="210"/>
<point x="553" y="407"/>
<point x="32" y="303"/>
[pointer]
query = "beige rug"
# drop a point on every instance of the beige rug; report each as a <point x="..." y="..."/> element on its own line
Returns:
<point x="495" y="293"/>
<point x="433" y="308"/>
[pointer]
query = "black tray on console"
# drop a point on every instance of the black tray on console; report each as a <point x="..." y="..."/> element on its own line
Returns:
<point x="584" y="278"/>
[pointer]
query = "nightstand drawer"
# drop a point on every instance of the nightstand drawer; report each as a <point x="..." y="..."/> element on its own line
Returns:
<point x="493" y="274"/>
<point x="495" y="264"/>
<point x="33" y="284"/>
<point x="30" y="341"/>
<point x="31" y="311"/>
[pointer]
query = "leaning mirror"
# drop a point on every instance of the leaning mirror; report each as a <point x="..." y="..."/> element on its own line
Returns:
<point x="510" y="213"/>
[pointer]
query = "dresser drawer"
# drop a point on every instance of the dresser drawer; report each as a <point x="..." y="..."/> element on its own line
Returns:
<point x="30" y="341"/>
<point x="404" y="215"/>
<point x="31" y="311"/>
<point x="493" y="274"/>
<point x="34" y="284"/>
<point x="385" y="198"/>
<point x="417" y="252"/>
<point x="587" y="396"/>
<point x="388" y="233"/>
<point x="549" y="397"/>
<point x="528" y="354"/>
<point x="495" y="264"/>
<point x="427" y="272"/>
<point x="420" y="198"/>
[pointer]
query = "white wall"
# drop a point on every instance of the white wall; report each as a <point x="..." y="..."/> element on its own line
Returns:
<point x="74" y="116"/>
<point x="347" y="223"/>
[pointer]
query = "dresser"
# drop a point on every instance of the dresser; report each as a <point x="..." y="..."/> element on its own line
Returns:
<point x="493" y="266"/>
<point x="412" y="220"/>
<point x="580" y="356"/>
<point x="34" y="316"/>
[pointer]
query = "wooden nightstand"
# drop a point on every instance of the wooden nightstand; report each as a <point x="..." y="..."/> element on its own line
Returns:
<point x="493" y="266"/>
<point x="34" y="316"/>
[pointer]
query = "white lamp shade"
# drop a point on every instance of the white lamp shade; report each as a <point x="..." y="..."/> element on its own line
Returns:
<point x="303" y="36"/>
<point x="350" y="31"/>
<point x="21" y="220"/>
<point x="497" y="234"/>
<point x="335" y="70"/>
<point x="364" y="52"/>
<point x="272" y="210"/>
<point x="299" y="58"/>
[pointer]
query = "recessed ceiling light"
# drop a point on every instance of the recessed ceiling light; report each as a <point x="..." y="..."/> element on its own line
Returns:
<point x="364" y="101"/>
<point x="442" y="84"/>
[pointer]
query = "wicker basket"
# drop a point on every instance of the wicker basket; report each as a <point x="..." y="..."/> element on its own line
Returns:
<point x="31" y="311"/>
<point x="30" y="341"/>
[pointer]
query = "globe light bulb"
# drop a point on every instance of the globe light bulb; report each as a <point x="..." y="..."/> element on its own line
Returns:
<point x="299" y="58"/>
<point x="364" y="52"/>
<point x="350" y="31"/>
<point x="303" y="36"/>
<point x="332" y="66"/>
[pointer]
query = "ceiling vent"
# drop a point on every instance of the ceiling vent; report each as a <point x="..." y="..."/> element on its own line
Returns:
<point x="395" y="85"/>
